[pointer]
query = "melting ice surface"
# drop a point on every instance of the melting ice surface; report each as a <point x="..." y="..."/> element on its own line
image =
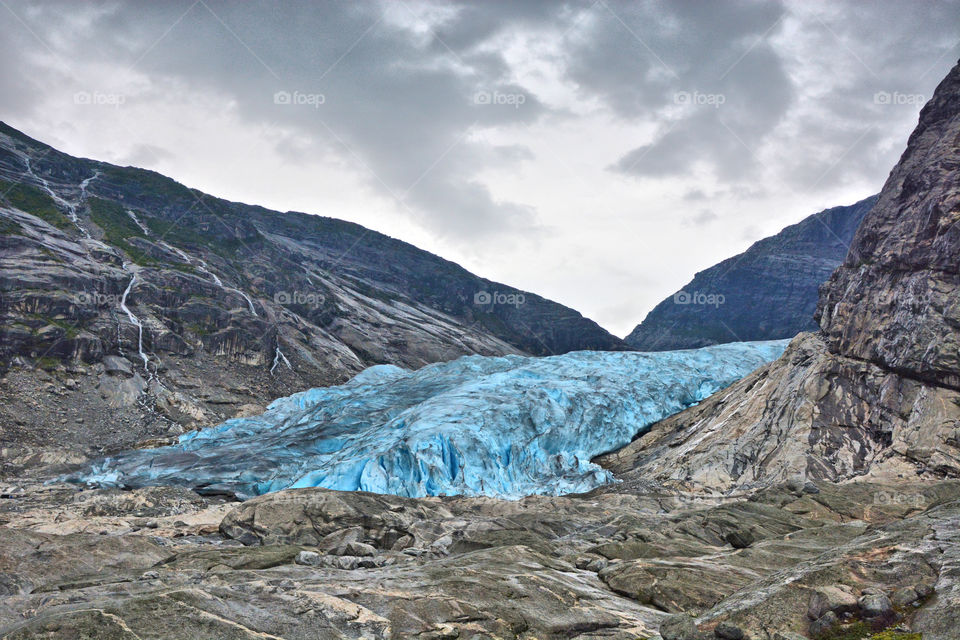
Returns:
<point x="497" y="426"/>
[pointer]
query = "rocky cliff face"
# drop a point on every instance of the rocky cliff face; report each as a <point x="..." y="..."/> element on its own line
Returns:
<point x="896" y="299"/>
<point x="133" y="307"/>
<point x="876" y="393"/>
<point x="768" y="292"/>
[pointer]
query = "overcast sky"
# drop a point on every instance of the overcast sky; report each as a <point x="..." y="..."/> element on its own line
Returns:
<point x="597" y="153"/>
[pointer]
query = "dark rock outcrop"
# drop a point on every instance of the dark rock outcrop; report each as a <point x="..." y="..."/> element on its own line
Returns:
<point x="767" y="292"/>
<point x="895" y="301"/>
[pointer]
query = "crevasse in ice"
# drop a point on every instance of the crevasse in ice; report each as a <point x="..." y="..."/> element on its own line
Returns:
<point x="496" y="426"/>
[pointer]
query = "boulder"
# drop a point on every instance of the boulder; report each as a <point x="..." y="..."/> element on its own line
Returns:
<point x="831" y="600"/>
<point x="679" y="627"/>
<point x="308" y="558"/>
<point x="727" y="631"/>
<point x="823" y="624"/>
<point x="117" y="366"/>
<point x="904" y="597"/>
<point x="875" y="606"/>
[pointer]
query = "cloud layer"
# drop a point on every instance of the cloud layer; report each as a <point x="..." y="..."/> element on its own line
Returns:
<point x="596" y="152"/>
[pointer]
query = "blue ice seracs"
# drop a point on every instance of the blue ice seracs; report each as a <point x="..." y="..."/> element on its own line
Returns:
<point x="496" y="426"/>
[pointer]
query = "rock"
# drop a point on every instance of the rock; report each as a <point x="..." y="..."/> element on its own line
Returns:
<point x="875" y="606"/>
<point x="904" y="597"/>
<point x="117" y="366"/>
<point x="358" y="549"/>
<point x="823" y="624"/>
<point x="740" y="538"/>
<point x="443" y="632"/>
<point x="679" y="627"/>
<point x="810" y="487"/>
<point x="726" y="631"/>
<point x="831" y="600"/>
<point x="309" y="558"/>
<point x="347" y="562"/>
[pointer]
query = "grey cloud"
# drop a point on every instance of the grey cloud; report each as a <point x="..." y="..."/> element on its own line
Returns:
<point x="404" y="108"/>
<point x="735" y="53"/>
<point x="402" y="112"/>
<point x="145" y="155"/>
<point x="701" y="218"/>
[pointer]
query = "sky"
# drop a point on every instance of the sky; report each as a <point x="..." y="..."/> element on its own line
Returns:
<point x="598" y="153"/>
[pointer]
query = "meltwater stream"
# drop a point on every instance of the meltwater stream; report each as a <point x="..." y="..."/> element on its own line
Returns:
<point x="497" y="426"/>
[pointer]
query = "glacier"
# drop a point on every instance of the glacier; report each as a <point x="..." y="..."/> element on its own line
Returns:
<point x="495" y="426"/>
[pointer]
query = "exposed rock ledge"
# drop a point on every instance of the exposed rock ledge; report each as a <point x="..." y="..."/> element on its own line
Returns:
<point x="809" y="413"/>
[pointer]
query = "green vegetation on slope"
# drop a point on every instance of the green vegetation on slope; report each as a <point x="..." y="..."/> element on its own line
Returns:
<point x="34" y="201"/>
<point x="10" y="228"/>
<point x="117" y="227"/>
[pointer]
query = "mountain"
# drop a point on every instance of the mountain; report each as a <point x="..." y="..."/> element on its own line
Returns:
<point x="768" y="292"/>
<point x="134" y="307"/>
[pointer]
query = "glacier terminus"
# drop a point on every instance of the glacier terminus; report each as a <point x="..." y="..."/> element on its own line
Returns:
<point x="494" y="426"/>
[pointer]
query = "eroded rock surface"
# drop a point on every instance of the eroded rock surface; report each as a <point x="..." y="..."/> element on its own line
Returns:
<point x="308" y="563"/>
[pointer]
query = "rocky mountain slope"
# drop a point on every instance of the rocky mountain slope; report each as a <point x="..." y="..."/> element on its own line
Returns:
<point x="768" y="292"/>
<point x="133" y="307"/>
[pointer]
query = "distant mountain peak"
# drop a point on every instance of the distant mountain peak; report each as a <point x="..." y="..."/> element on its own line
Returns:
<point x="768" y="292"/>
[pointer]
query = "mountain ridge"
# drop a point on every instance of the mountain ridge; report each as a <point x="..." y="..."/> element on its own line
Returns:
<point x="767" y="292"/>
<point x="163" y="309"/>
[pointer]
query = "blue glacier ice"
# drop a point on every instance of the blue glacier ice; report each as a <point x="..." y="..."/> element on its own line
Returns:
<point x="496" y="426"/>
